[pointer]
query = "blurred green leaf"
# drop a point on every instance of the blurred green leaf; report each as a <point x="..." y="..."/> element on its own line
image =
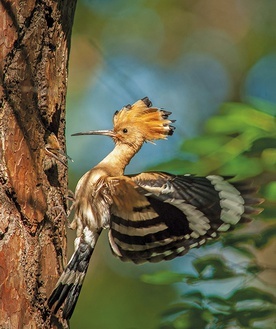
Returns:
<point x="180" y="307"/>
<point x="194" y="296"/>
<point x="233" y="239"/>
<point x="259" y="240"/>
<point x="254" y="268"/>
<point x="263" y="143"/>
<point x="237" y="118"/>
<point x="219" y="305"/>
<point x="242" y="167"/>
<point x="165" y="277"/>
<point x="244" y="250"/>
<point x="250" y="294"/>
<point x="270" y="190"/>
<point x="216" y="266"/>
<point x="192" y="318"/>
<point x="268" y="158"/>
<point x="265" y="237"/>
<point x="247" y="318"/>
<point x="204" y="145"/>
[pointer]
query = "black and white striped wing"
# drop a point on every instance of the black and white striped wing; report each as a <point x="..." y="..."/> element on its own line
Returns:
<point x="163" y="216"/>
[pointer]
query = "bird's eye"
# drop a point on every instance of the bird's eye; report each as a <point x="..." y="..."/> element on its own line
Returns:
<point x="124" y="130"/>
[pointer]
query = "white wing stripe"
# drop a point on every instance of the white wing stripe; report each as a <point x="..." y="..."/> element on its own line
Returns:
<point x="231" y="202"/>
<point x="146" y="246"/>
<point x="230" y="196"/>
<point x="236" y="208"/>
<point x="198" y="222"/>
<point x="135" y="231"/>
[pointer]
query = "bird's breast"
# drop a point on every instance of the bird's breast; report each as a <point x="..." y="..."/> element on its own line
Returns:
<point x="92" y="201"/>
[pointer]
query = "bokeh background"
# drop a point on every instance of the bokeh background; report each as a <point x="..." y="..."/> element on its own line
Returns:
<point x="213" y="64"/>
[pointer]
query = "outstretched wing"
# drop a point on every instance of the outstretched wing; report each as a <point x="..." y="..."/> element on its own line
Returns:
<point x="158" y="216"/>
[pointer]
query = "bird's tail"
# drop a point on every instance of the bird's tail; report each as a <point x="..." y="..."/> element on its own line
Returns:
<point x="69" y="285"/>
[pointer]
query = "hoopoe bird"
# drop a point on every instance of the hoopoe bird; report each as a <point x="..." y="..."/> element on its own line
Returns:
<point x="150" y="216"/>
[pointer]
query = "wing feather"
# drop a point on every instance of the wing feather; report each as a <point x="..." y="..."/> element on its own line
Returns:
<point x="158" y="216"/>
<point x="142" y="226"/>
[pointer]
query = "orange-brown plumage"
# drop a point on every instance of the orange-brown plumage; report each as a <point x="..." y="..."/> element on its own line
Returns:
<point x="149" y="123"/>
<point x="150" y="216"/>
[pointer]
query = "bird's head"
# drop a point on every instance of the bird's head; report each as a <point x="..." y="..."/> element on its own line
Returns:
<point x="137" y="123"/>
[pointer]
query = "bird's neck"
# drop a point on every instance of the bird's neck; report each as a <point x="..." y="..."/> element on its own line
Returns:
<point x="116" y="161"/>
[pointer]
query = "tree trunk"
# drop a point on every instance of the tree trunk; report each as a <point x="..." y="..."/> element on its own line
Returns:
<point x="34" y="43"/>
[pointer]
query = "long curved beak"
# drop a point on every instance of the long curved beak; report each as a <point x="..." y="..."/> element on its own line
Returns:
<point x="109" y="133"/>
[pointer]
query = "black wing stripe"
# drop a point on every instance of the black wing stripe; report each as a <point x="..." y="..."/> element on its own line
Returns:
<point x="188" y="182"/>
<point x="139" y="244"/>
<point x="163" y="252"/>
<point x="198" y="196"/>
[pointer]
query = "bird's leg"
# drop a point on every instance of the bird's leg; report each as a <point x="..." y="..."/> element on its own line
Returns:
<point x="70" y="198"/>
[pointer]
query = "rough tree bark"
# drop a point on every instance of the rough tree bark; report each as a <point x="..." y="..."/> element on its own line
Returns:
<point x="34" y="49"/>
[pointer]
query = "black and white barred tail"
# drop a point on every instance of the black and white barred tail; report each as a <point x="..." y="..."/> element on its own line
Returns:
<point x="180" y="212"/>
<point x="69" y="285"/>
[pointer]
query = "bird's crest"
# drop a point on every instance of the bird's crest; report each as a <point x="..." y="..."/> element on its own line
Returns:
<point x="152" y="122"/>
